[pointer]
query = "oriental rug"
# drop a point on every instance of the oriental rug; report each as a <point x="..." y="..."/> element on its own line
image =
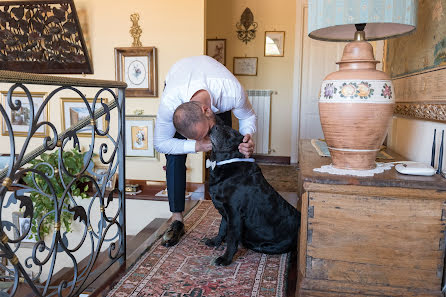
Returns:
<point x="188" y="269"/>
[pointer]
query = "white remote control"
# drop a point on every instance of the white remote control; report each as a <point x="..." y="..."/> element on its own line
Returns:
<point x="415" y="168"/>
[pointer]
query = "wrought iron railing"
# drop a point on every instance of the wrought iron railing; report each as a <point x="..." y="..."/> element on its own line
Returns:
<point x="99" y="225"/>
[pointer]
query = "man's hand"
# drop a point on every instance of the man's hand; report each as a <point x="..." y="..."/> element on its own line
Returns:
<point x="203" y="145"/>
<point x="247" y="147"/>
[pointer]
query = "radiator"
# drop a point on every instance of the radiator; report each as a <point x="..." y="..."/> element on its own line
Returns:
<point x="261" y="103"/>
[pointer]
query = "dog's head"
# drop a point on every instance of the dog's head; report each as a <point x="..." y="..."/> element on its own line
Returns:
<point x="224" y="139"/>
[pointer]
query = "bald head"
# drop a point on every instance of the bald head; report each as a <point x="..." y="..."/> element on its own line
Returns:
<point x="191" y="120"/>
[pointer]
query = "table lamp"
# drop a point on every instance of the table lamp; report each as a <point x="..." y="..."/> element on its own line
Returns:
<point x="356" y="103"/>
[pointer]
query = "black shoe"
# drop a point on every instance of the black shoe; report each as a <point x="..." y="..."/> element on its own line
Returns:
<point x="173" y="234"/>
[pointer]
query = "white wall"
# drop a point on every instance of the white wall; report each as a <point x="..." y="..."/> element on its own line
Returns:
<point x="413" y="139"/>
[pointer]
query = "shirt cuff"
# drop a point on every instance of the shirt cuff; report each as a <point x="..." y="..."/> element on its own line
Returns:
<point x="189" y="146"/>
<point x="246" y="130"/>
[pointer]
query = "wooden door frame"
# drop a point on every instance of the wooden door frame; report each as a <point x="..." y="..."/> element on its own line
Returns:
<point x="301" y="5"/>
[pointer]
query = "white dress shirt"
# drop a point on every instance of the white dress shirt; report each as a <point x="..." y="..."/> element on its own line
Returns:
<point x="184" y="79"/>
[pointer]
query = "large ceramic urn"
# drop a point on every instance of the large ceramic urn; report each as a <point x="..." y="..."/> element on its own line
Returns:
<point x="356" y="106"/>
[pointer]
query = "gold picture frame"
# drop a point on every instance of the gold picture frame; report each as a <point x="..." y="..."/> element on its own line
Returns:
<point x="274" y="44"/>
<point x="140" y="130"/>
<point x="99" y="171"/>
<point x="137" y="66"/>
<point x="76" y="110"/>
<point x="19" y="118"/>
<point x="246" y="66"/>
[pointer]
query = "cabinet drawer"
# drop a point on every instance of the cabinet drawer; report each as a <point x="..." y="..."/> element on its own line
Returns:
<point x="375" y="240"/>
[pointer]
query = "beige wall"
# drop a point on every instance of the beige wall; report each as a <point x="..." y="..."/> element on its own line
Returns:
<point x="275" y="73"/>
<point x="175" y="27"/>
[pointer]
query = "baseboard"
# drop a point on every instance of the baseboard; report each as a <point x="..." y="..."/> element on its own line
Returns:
<point x="272" y="159"/>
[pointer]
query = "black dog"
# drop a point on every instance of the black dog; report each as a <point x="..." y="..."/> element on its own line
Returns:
<point x="253" y="213"/>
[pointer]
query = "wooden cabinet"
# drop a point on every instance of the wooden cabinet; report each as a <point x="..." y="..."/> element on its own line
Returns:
<point x="370" y="236"/>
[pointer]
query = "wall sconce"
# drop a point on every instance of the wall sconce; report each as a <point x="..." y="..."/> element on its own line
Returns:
<point x="246" y="28"/>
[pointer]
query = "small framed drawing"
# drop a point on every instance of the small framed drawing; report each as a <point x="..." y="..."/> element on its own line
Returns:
<point x="216" y="48"/>
<point x="74" y="110"/>
<point x="20" y="119"/>
<point x="100" y="175"/>
<point x="139" y="131"/>
<point x="274" y="43"/>
<point x="137" y="66"/>
<point x="23" y="226"/>
<point x="245" y="66"/>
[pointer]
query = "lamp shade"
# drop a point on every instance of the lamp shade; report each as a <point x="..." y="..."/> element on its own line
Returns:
<point x="334" y="20"/>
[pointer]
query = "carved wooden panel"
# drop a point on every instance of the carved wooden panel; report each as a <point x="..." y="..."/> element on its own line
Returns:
<point x="42" y="37"/>
<point x="422" y="95"/>
<point x="433" y="112"/>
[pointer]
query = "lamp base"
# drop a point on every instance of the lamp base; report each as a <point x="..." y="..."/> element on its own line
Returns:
<point x="356" y="106"/>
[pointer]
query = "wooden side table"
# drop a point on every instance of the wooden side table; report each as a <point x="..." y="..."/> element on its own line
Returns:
<point x="370" y="236"/>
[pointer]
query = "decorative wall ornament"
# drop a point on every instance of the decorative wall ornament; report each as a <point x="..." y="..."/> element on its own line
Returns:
<point x="135" y="30"/>
<point x="246" y="28"/>
<point x="425" y="111"/>
<point x="42" y="37"/>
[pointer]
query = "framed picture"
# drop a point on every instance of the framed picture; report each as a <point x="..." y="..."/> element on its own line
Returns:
<point x="245" y="66"/>
<point x="139" y="136"/>
<point x="274" y="43"/>
<point x="74" y="110"/>
<point x="20" y="119"/>
<point x="137" y="66"/>
<point x="216" y="48"/>
<point x="100" y="172"/>
<point x="23" y="225"/>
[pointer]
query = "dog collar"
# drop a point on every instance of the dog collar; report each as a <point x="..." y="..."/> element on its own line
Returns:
<point x="212" y="164"/>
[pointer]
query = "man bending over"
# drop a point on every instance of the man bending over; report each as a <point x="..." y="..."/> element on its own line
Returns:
<point x="196" y="89"/>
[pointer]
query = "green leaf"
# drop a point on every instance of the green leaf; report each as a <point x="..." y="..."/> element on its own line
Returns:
<point x="44" y="157"/>
<point x="74" y="162"/>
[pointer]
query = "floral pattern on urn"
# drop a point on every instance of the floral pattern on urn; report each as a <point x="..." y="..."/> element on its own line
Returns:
<point x="359" y="90"/>
<point x="356" y="105"/>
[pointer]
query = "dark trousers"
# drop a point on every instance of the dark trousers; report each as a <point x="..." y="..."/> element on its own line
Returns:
<point x="176" y="172"/>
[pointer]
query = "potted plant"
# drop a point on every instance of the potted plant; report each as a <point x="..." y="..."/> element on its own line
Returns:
<point x="74" y="162"/>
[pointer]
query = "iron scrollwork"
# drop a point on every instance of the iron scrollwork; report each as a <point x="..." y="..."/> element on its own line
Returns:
<point x="101" y="218"/>
<point x="246" y="28"/>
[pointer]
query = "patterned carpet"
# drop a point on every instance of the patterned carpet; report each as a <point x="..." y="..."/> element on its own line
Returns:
<point x="282" y="177"/>
<point x="187" y="269"/>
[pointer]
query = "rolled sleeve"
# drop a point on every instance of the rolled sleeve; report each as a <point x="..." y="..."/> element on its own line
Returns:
<point x="246" y="115"/>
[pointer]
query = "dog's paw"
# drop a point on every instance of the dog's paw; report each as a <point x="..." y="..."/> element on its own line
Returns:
<point x="212" y="241"/>
<point x="222" y="261"/>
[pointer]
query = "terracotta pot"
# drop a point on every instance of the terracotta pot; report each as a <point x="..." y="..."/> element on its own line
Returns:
<point x="356" y="106"/>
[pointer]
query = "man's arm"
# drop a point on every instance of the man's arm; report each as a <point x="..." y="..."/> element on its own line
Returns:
<point x="245" y="114"/>
<point x="247" y="124"/>
<point x="164" y="140"/>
